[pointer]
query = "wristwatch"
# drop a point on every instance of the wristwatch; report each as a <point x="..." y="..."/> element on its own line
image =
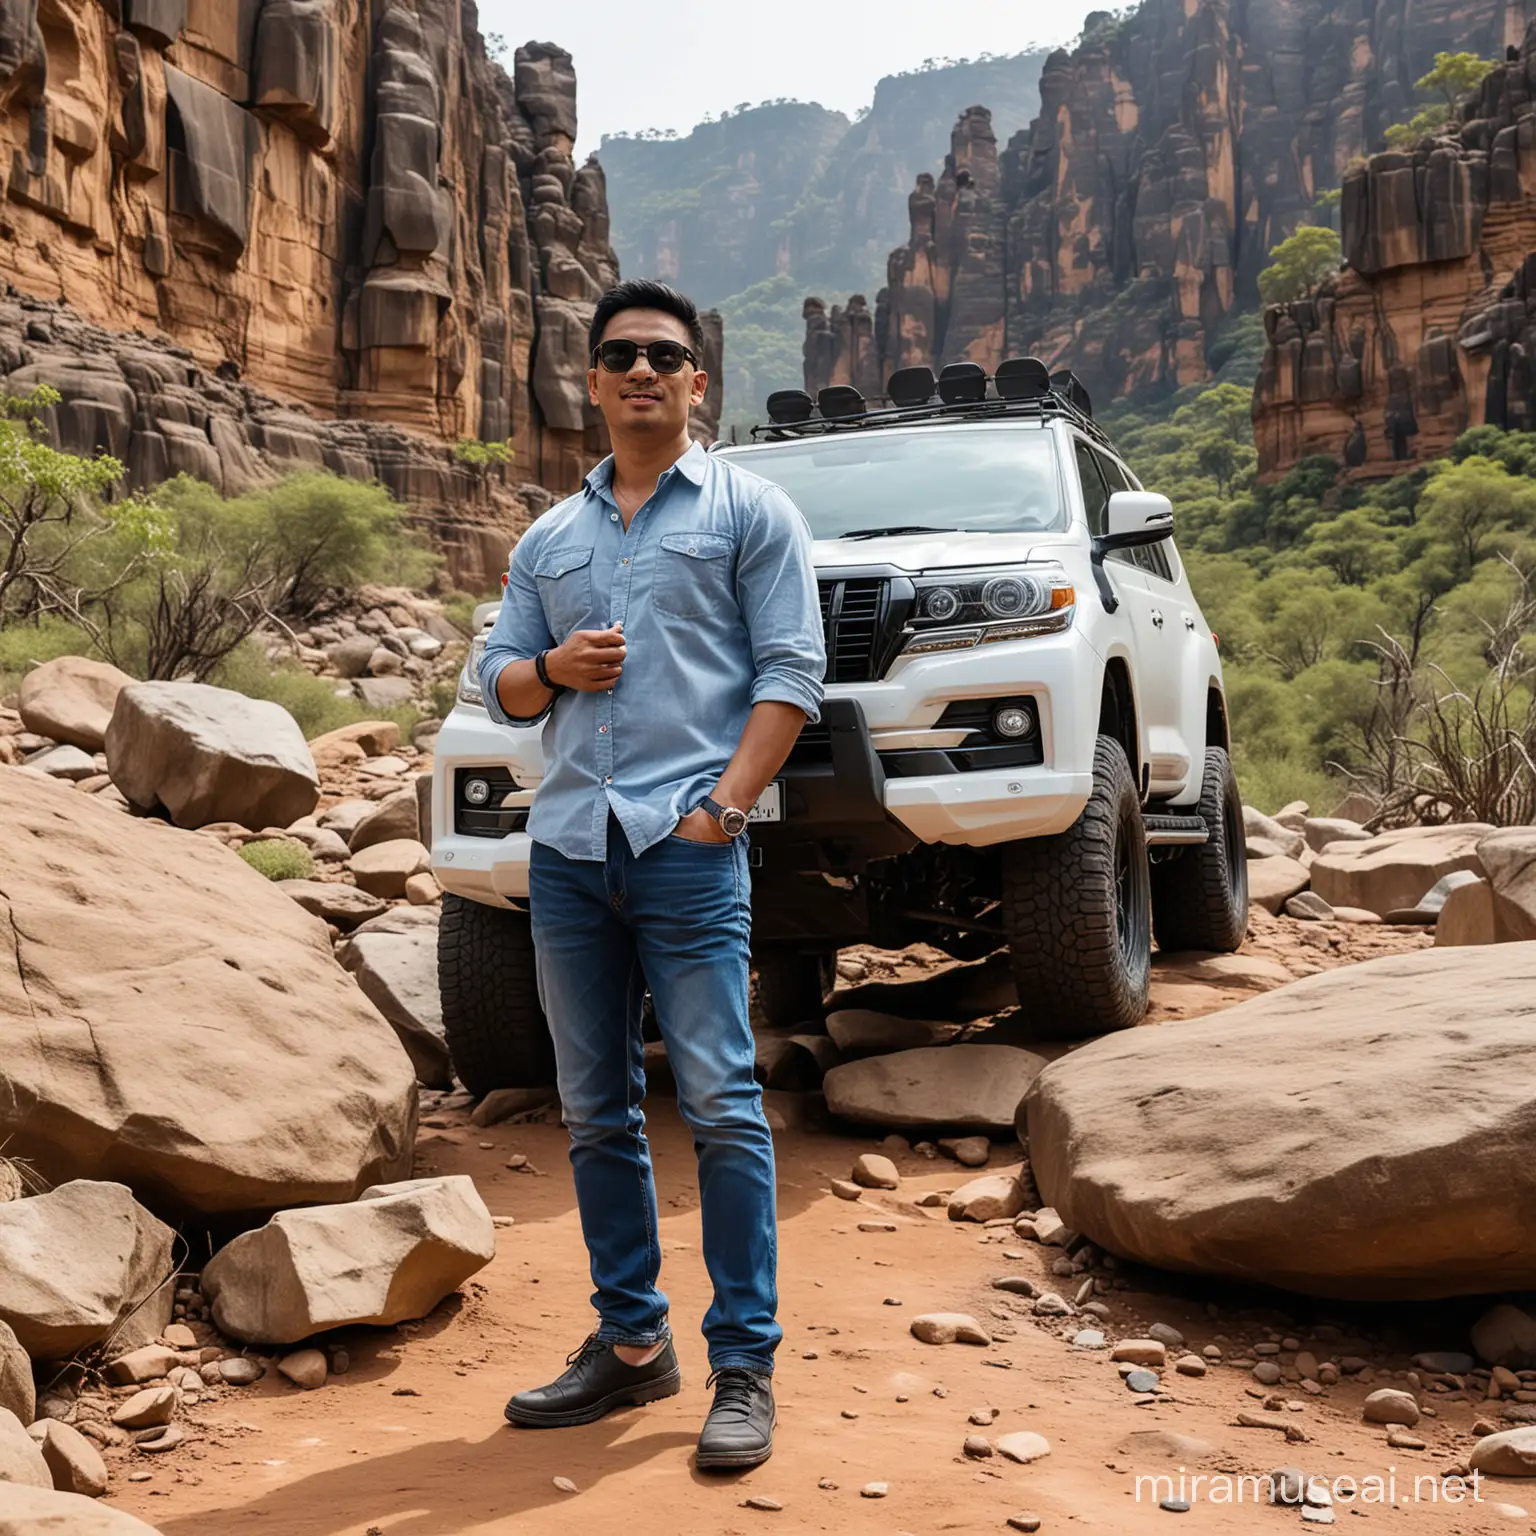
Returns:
<point x="732" y="822"/>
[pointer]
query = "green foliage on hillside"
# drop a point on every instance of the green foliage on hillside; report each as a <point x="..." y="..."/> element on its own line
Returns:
<point x="765" y="335"/>
<point x="1299" y="263"/>
<point x="1454" y="78"/>
<point x="1352" y="617"/>
<point x="279" y="859"/>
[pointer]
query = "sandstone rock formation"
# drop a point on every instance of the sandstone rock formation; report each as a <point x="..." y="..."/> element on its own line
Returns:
<point x="1269" y="1142"/>
<point x="1173" y="149"/>
<point x="1429" y="329"/>
<point x="969" y="1087"/>
<point x="1392" y="871"/>
<point x="71" y="699"/>
<point x="393" y="1254"/>
<point x="43" y="1512"/>
<point x="171" y="1020"/>
<point x="340" y="205"/>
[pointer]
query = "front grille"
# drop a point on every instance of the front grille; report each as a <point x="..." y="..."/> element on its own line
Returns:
<point x="862" y="619"/>
<point x="490" y="819"/>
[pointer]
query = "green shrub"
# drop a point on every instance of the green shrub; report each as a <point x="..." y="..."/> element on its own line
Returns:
<point x="279" y="860"/>
<point x="26" y="645"/>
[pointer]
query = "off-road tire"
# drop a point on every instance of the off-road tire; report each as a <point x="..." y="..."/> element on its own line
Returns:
<point x="495" y="1027"/>
<point x="791" y="988"/>
<point x="1200" y="898"/>
<point x="1077" y="911"/>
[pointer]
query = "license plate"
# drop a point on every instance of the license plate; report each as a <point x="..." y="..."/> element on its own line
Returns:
<point x="770" y="807"/>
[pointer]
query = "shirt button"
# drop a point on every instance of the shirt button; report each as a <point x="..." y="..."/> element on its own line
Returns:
<point x="625" y="561"/>
<point x="610" y="693"/>
<point x="613" y="517"/>
<point x="602" y="730"/>
<point x="609" y="779"/>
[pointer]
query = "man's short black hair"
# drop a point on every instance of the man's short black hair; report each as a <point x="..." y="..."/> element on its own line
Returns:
<point x="644" y="293"/>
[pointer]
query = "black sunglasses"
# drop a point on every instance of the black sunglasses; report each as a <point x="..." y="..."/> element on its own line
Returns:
<point x="663" y="356"/>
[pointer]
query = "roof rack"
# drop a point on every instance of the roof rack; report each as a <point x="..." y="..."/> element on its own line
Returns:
<point x="1024" y="389"/>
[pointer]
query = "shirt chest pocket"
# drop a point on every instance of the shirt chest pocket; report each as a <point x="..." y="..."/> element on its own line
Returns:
<point x="693" y="575"/>
<point x="565" y="588"/>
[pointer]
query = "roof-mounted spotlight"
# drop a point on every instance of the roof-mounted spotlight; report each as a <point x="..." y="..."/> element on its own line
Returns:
<point x="788" y="406"/>
<point x="962" y="383"/>
<point x="910" y="386"/>
<point x="840" y="400"/>
<point x="1067" y="384"/>
<point x="1023" y="378"/>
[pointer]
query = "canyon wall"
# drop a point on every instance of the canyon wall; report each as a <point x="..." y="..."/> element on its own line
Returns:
<point x="1431" y="327"/>
<point x="1174" y="148"/>
<point x="244" y="234"/>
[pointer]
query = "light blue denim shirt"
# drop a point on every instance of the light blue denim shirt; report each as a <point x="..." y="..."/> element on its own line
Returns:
<point x="714" y="584"/>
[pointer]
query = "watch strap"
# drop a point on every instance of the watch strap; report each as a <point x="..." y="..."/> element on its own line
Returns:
<point x="718" y="811"/>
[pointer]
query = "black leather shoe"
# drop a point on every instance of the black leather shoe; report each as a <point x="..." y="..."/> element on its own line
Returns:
<point x="739" y="1430"/>
<point x="596" y="1383"/>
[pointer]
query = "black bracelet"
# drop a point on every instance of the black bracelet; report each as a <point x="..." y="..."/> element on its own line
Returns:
<point x="543" y="672"/>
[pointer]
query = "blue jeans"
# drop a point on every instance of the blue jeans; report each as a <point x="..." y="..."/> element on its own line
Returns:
<point x="678" y="919"/>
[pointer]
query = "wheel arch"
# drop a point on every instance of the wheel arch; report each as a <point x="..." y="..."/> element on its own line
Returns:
<point x="1119" y="718"/>
<point x="1218" y="727"/>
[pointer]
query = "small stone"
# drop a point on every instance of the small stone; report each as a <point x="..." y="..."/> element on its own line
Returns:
<point x="1051" y="1305"/>
<point x="1175" y="1506"/>
<point x="1189" y="1365"/>
<point x="1023" y="1522"/>
<point x="848" y="1413"/>
<point x="891" y="1301"/>
<point x="1141" y="1380"/>
<point x="1269" y="1347"/>
<point x="152" y="1406"/>
<point x="1088" y="1338"/>
<point x="179" y="1336"/>
<point x="151" y="1363"/>
<point x="877" y="1226"/>
<point x="166" y="1439"/>
<point x="305" y="1368"/>
<point x="968" y="1151"/>
<point x="1050" y="1229"/>
<point x="140" y="1477"/>
<point x="239" y="1372"/>
<point x="1404" y="1440"/>
<point x="949" y="1328"/>
<point x="761" y="1501"/>
<point x="977" y="1446"/>
<point x="1212" y="1351"/>
<point x="1166" y="1335"/>
<point x="845" y="1189"/>
<point x="1084" y="1291"/>
<point x="341" y="1362"/>
<point x="565" y="1485"/>
<point x="1386" y="1405"/>
<point x="1017" y="1284"/>
<point x="1023" y="1446"/>
<point x="872" y="1171"/>
<point x="874" y="1490"/>
<point x="1139" y="1352"/>
<point x="1315" y="1514"/>
<point x="1266" y="1373"/>
<point x="985" y="1417"/>
<point x="1445" y="1362"/>
<point x="1287" y="1485"/>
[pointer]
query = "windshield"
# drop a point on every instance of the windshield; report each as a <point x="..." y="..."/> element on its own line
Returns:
<point x="984" y="480"/>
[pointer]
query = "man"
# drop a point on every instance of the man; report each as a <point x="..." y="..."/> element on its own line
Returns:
<point x="665" y="619"/>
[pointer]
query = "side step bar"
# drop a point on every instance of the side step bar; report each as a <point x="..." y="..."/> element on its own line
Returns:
<point x="1175" y="831"/>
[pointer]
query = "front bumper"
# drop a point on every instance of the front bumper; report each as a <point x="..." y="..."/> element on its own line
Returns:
<point x="489" y="870"/>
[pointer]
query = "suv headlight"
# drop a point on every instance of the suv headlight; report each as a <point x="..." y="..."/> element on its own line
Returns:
<point x="955" y="610"/>
<point x="469" y="678"/>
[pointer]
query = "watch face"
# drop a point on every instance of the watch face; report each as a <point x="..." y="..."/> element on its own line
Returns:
<point x="733" y="822"/>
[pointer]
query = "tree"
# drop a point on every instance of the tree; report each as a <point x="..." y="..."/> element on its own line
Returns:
<point x="1454" y="77"/>
<point x="1299" y="264"/>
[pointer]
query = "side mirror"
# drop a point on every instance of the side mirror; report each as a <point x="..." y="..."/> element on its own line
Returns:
<point x="1136" y="518"/>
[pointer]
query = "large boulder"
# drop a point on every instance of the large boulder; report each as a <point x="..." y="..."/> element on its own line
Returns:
<point x="72" y="699"/>
<point x="78" y="1262"/>
<point x="1273" y="881"/>
<point x="20" y="1459"/>
<point x="209" y="754"/>
<point x="398" y="974"/>
<point x="170" y="1019"/>
<point x="391" y="1255"/>
<point x="1509" y="857"/>
<point x="968" y="1087"/>
<point x="43" y="1512"/>
<point x="1308" y="1138"/>
<point x="1394" y="870"/>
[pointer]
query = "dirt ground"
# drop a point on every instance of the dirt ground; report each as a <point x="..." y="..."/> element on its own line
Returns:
<point x="411" y="1441"/>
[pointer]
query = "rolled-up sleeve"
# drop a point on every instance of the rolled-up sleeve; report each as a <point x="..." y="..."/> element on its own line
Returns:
<point x="776" y="589"/>
<point x="519" y="634"/>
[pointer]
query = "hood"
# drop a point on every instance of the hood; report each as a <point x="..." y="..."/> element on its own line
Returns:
<point x="939" y="551"/>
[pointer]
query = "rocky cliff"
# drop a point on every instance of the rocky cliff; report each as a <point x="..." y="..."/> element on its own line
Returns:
<point x="1431" y="327"/>
<point x="1174" y="148"/>
<point x="315" y="231"/>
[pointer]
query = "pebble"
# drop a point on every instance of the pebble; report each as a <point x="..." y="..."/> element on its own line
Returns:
<point x="1166" y="1335"/>
<point x="1051" y="1305"/>
<point x="1266" y="1349"/>
<point x="1175" y="1506"/>
<point x="985" y="1417"/>
<point x="874" y="1490"/>
<point x="828" y="1484"/>
<point x="761" y="1501"/>
<point x="809" y="1354"/>
<point x="949" y="1328"/>
<point x="140" y="1477"/>
<point x="1266" y="1373"/>
<point x="977" y="1446"/>
<point x="1212" y="1352"/>
<point x="239" y="1372"/>
<point x="1386" y="1405"/>
<point x="1402" y="1440"/>
<point x="166" y="1439"/>
<point x="153" y="1406"/>
<point x="1189" y="1365"/>
<point x="845" y="1189"/>
<point x="305" y="1368"/>
<point x="1023" y="1446"/>
<point x="179" y="1336"/>
<point x="848" y="1413"/>
<point x="871" y="1170"/>
<point x="1317" y="1514"/>
<point x="1017" y="1284"/>
<point x="1023" y="1522"/>
<point x="1141" y="1380"/>
<point x="565" y="1485"/>
<point x="968" y="1151"/>
<point x="1139" y="1352"/>
<point x="877" y="1226"/>
<point x="518" y="1160"/>
<point x="1088" y="1338"/>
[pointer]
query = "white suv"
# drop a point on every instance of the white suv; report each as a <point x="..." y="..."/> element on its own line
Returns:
<point x="1024" y="741"/>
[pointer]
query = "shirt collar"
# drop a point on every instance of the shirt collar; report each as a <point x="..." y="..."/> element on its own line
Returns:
<point x="691" y="467"/>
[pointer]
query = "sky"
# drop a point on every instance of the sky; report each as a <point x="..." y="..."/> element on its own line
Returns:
<point x="666" y="66"/>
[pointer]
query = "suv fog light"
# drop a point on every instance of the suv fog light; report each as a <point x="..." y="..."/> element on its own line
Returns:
<point x="477" y="792"/>
<point x="1013" y="720"/>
